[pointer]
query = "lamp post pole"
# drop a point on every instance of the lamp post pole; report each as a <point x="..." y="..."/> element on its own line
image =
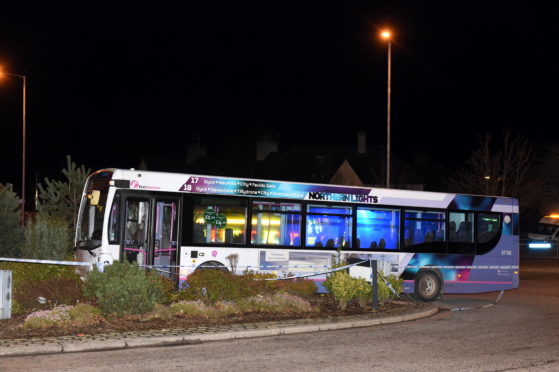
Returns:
<point x="23" y="123"/>
<point x="387" y="35"/>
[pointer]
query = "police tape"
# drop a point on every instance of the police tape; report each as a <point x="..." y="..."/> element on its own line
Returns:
<point x="483" y="306"/>
<point x="156" y="267"/>
<point x="46" y="262"/>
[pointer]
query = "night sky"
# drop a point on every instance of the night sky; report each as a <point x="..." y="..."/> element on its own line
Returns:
<point x="109" y="83"/>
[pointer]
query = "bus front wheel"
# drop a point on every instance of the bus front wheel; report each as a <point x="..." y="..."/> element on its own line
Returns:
<point x="212" y="265"/>
<point x="427" y="286"/>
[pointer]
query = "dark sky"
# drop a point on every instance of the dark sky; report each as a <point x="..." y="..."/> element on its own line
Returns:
<point x="109" y="82"/>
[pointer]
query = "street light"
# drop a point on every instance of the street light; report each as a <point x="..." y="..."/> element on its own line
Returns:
<point x="24" y="79"/>
<point x="387" y="35"/>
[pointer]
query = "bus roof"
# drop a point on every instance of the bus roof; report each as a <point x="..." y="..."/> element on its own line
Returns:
<point x="218" y="185"/>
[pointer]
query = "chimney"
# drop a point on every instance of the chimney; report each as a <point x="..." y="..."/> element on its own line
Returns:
<point x="361" y="142"/>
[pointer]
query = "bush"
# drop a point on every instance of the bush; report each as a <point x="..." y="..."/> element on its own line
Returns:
<point x="80" y="315"/>
<point x="346" y="288"/>
<point x="124" y="289"/>
<point x="211" y="286"/>
<point x="47" y="238"/>
<point x="11" y="233"/>
<point x="342" y="286"/>
<point x="23" y="273"/>
<point x="299" y="287"/>
<point x="276" y="303"/>
<point x="56" y="291"/>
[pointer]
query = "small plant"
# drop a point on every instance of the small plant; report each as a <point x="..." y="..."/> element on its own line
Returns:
<point x="276" y="303"/>
<point x="189" y="308"/>
<point x="63" y="315"/>
<point x="299" y="287"/>
<point x="211" y="286"/>
<point x="124" y="289"/>
<point x="342" y="286"/>
<point x="55" y="291"/>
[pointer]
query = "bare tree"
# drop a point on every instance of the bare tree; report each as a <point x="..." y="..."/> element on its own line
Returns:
<point x="506" y="168"/>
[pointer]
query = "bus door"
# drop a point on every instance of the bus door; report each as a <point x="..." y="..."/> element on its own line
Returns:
<point x="137" y="218"/>
<point x="150" y="237"/>
<point x="164" y="236"/>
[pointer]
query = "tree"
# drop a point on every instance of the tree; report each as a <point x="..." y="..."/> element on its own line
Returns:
<point x="506" y="169"/>
<point x="61" y="199"/>
<point x="47" y="238"/>
<point x="11" y="233"/>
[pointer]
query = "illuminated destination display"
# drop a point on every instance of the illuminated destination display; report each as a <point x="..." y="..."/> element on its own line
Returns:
<point x="281" y="190"/>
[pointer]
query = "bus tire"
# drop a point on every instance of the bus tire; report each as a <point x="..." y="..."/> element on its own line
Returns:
<point x="427" y="286"/>
<point x="212" y="265"/>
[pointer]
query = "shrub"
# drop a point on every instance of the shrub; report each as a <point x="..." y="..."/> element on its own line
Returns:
<point x="189" y="308"/>
<point x="384" y="293"/>
<point x="346" y="288"/>
<point x="342" y="286"/>
<point x="211" y="286"/>
<point x="299" y="287"/>
<point x="124" y="289"/>
<point x="47" y="318"/>
<point x="11" y="233"/>
<point x="47" y="238"/>
<point x="276" y="303"/>
<point x="56" y="291"/>
<point x="80" y="315"/>
<point x="84" y="314"/>
<point x="33" y="273"/>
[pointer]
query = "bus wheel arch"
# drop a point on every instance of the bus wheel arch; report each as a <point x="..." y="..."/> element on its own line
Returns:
<point x="428" y="285"/>
<point x="212" y="265"/>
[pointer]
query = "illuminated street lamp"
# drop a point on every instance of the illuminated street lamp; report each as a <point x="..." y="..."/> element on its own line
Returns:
<point x="24" y="79"/>
<point x="387" y="35"/>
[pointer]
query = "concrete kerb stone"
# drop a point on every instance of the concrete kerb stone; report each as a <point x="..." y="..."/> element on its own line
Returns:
<point x="130" y="340"/>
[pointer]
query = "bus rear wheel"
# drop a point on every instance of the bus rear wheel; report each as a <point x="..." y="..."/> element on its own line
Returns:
<point x="427" y="286"/>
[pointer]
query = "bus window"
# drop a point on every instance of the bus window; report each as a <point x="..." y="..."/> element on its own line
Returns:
<point x="461" y="233"/>
<point x="378" y="228"/>
<point x="424" y="231"/>
<point x="328" y="226"/>
<point x="275" y="223"/>
<point x="114" y="221"/>
<point x="219" y="220"/>
<point x="135" y="236"/>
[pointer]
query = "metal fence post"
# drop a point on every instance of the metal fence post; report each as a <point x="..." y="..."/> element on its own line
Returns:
<point x="5" y="294"/>
<point x="374" y="283"/>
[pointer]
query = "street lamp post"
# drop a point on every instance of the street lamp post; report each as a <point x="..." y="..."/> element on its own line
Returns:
<point x="387" y="35"/>
<point x="24" y="79"/>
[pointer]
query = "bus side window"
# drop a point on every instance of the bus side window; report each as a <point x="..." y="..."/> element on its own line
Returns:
<point x="378" y="228"/>
<point x="462" y="240"/>
<point x="218" y="220"/>
<point x="488" y="231"/>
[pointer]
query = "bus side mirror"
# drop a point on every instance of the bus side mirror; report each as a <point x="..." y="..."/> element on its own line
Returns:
<point x="94" y="197"/>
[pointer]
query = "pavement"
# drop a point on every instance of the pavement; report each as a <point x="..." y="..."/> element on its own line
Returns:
<point x="194" y="335"/>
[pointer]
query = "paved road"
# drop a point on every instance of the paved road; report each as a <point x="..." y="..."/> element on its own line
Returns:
<point x="520" y="333"/>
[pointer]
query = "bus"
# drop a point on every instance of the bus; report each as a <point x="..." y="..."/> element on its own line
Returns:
<point x="178" y="223"/>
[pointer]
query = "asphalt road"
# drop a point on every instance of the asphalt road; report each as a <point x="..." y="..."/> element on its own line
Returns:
<point x="520" y="333"/>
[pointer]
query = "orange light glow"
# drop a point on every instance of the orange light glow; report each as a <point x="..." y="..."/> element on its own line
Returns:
<point x="386" y="34"/>
<point x="554" y="215"/>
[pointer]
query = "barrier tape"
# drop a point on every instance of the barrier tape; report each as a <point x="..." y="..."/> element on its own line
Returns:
<point x="481" y="307"/>
<point x="493" y="267"/>
<point x="259" y="267"/>
<point x="389" y="285"/>
<point x="47" y="262"/>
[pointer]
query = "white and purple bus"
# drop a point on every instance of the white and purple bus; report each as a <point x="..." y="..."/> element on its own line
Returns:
<point x="436" y="242"/>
